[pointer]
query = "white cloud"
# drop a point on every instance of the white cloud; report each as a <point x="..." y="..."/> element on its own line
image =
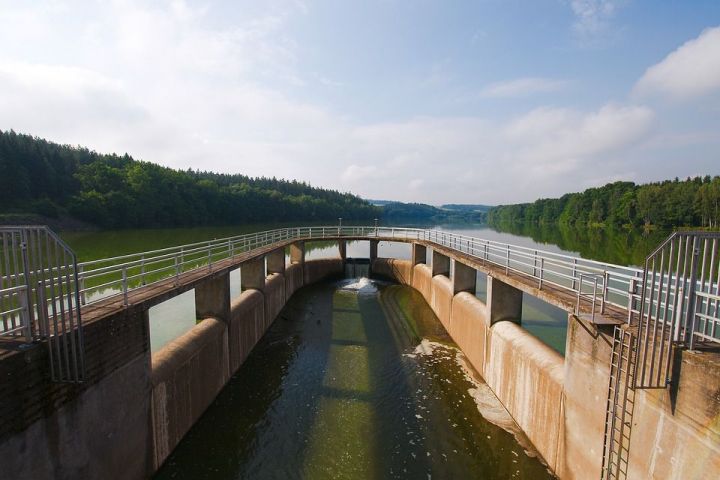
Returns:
<point x="592" y="18"/>
<point x="690" y="71"/>
<point x="166" y="84"/>
<point x="522" y="87"/>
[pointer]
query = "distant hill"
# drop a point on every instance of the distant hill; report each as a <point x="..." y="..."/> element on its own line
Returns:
<point x="694" y="202"/>
<point x="466" y="207"/>
<point x="381" y="203"/>
<point x="117" y="191"/>
<point x="424" y="212"/>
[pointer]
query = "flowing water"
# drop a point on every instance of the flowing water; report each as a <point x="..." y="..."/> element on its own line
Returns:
<point x="355" y="379"/>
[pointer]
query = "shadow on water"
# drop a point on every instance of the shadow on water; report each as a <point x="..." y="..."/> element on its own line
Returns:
<point x="336" y="389"/>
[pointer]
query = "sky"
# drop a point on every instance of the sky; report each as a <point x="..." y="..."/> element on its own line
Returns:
<point x="434" y="101"/>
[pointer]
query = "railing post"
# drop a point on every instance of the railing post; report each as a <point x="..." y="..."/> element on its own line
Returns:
<point x="177" y="271"/>
<point x="691" y="321"/>
<point x="125" y="286"/>
<point x="632" y="287"/>
<point x="142" y="269"/>
<point x="542" y="270"/>
<point x="574" y="272"/>
<point x="535" y="264"/>
<point x="507" y="261"/>
<point x="606" y="279"/>
<point x="81" y="284"/>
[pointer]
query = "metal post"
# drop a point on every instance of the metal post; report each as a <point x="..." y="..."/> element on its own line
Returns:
<point x="339" y="226"/>
<point x="142" y="270"/>
<point x="177" y="270"/>
<point x="124" y="285"/>
<point x="376" y="227"/>
<point x="574" y="272"/>
<point x="29" y="318"/>
<point x="542" y="269"/>
<point x="691" y="320"/>
<point x="81" y="284"/>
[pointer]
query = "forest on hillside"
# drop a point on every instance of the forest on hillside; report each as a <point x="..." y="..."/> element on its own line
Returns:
<point x="117" y="191"/>
<point x="694" y="202"/>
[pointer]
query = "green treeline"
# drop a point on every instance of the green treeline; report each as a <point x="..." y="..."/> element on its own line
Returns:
<point x="694" y="202"/>
<point x="421" y="212"/>
<point x="112" y="191"/>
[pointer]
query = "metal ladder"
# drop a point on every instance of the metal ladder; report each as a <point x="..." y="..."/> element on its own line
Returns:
<point x="620" y="405"/>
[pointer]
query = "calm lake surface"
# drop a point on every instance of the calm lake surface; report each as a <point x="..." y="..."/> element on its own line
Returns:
<point x="356" y="378"/>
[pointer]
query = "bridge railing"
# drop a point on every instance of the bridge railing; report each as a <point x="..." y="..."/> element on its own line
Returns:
<point x="596" y="284"/>
<point x="39" y="296"/>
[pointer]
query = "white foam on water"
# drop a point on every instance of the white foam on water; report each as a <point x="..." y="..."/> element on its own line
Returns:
<point x="363" y="284"/>
<point x="487" y="403"/>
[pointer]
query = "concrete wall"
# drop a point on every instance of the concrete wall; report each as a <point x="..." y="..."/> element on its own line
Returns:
<point x="398" y="270"/>
<point x="441" y="296"/>
<point x="247" y="317"/>
<point x="316" y="270"/>
<point x="187" y="374"/>
<point x="293" y="279"/>
<point x="680" y="434"/>
<point x="274" y="298"/>
<point x="527" y="376"/>
<point x="96" y="429"/>
<point x="470" y="328"/>
<point x="675" y="432"/>
<point x="422" y="281"/>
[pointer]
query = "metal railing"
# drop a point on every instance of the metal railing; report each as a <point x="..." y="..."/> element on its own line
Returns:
<point x="39" y="298"/>
<point x="597" y="283"/>
<point x="679" y="302"/>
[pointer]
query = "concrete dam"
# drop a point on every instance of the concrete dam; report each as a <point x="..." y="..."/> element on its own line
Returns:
<point x="636" y="394"/>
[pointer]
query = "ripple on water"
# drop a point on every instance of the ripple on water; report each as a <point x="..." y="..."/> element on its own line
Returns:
<point x="355" y="380"/>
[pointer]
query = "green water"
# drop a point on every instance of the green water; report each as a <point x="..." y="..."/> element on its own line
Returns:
<point x="336" y="389"/>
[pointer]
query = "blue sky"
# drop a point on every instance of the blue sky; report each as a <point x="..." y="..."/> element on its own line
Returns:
<point x="431" y="101"/>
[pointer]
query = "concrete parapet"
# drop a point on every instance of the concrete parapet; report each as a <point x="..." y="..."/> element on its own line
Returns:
<point x="97" y="429"/>
<point x="247" y="319"/>
<point x="186" y="376"/>
<point x="440" y="264"/>
<point x="394" y="269"/>
<point x="316" y="270"/>
<point x="527" y="376"/>
<point x="441" y="299"/>
<point x="103" y="434"/>
<point x="422" y="281"/>
<point x="274" y="298"/>
<point x="504" y="301"/>
<point x="470" y="328"/>
<point x="293" y="279"/>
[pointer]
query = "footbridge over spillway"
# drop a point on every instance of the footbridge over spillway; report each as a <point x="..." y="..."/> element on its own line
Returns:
<point x="635" y="396"/>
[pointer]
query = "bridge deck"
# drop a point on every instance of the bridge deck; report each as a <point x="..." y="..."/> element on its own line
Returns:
<point x="146" y="296"/>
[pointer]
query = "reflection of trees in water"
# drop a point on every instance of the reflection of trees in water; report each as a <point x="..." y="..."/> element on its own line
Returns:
<point x="622" y="247"/>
